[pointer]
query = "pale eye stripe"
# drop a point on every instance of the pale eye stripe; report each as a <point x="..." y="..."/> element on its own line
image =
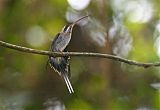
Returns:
<point x="65" y="28"/>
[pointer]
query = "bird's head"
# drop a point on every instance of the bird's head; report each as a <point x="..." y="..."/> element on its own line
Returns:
<point x="68" y="28"/>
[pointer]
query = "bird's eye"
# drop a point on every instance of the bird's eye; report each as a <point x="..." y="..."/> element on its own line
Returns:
<point x="65" y="28"/>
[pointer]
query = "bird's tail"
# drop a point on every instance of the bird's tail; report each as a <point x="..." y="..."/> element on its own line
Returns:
<point x="69" y="86"/>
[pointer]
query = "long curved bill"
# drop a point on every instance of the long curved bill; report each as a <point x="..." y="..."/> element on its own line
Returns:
<point x="80" y="19"/>
<point x="70" y="27"/>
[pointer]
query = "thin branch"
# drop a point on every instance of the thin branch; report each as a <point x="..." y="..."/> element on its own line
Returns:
<point x="85" y="54"/>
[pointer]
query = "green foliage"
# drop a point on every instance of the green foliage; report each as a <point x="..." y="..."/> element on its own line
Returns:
<point x="99" y="84"/>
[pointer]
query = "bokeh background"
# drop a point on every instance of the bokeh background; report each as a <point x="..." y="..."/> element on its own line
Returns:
<point x="126" y="28"/>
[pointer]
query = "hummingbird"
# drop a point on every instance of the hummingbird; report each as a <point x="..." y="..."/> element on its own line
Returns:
<point x="61" y="64"/>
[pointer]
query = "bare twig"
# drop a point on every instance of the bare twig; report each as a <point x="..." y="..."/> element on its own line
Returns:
<point x="86" y="54"/>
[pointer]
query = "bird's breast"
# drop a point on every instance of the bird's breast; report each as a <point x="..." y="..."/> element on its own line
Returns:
<point x="62" y="41"/>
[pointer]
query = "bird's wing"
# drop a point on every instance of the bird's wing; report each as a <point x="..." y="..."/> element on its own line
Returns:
<point x="60" y="65"/>
<point x="53" y="46"/>
<point x="61" y="41"/>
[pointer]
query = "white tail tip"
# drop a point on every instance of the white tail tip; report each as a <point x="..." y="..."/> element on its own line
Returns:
<point x="69" y="86"/>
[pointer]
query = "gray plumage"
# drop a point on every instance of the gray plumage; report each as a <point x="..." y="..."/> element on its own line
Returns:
<point x="61" y="64"/>
<point x="59" y="44"/>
